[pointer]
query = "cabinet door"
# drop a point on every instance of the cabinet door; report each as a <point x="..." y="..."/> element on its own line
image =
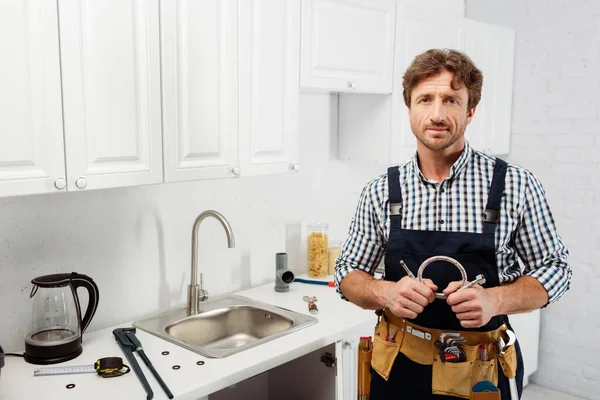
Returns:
<point x="199" y="71"/>
<point x="492" y="49"/>
<point x="348" y="362"/>
<point x="31" y="132"/>
<point x="348" y="45"/>
<point x="306" y="377"/>
<point x="269" y="41"/>
<point x="413" y="38"/>
<point x="111" y="92"/>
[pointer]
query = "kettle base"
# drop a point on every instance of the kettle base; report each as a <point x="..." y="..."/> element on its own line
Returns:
<point x="53" y="354"/>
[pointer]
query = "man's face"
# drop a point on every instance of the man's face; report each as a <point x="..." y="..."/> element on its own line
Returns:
<point x="438" y="114"/>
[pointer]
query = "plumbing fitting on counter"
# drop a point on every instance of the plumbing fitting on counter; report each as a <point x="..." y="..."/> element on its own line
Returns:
<point x="283" y="276"/>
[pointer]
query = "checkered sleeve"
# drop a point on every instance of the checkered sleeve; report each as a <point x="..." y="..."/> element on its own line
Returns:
<point x="365" y="244"/>
<point x="538" y="244"/>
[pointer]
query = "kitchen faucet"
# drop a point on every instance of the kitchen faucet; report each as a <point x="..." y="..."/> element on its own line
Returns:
<point x="195" y="291"/>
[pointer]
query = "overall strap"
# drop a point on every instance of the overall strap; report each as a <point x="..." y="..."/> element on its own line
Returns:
<point x="395" y="198"/>
<point x="492" y="209"/>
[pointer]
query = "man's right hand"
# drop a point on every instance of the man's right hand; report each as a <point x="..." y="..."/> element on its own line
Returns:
<point x="408" y="297"/>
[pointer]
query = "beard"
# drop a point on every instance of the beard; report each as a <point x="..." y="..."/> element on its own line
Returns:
<point x="438" y="140"/>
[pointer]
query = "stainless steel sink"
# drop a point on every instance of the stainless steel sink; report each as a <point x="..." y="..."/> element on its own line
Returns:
<point x="225" y="326"/>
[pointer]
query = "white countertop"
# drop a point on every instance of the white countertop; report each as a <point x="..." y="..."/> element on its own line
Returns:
<point x="191" y="381"/>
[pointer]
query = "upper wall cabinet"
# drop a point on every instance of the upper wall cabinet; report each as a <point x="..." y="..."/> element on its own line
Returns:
<point x="31" y="131"/>
<point x="492" y="49"/>
<point x="105" y="128"/>
<point x="111" y="92"/>
<point x="269" y="34"/>
<point x="230" y="87"/>
<point x="200" y="88"/>
<point x="348" y="45"/>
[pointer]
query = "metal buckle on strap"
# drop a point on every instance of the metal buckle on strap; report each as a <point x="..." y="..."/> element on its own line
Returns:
<point x="491" y="216"/>
<point x="395" y="208"/>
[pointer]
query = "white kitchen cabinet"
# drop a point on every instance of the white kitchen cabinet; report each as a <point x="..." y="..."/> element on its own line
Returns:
<point x="200" y="88"/>
<point x="269" y="70"/>
<point x="230" y="87"/>
<point x="376" y="129"/>
<point x="80" y="103"/>
<point x="31" y="130"/>
<point x="306" y="377"/>
<point x="111" y="92"/>
<point x="432" y="10"/>
<point x="492" y="49"/>
<point x="348" y="45"/>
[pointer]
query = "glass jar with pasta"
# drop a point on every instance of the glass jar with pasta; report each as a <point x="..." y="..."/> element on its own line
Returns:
<point x="317" y="249"/>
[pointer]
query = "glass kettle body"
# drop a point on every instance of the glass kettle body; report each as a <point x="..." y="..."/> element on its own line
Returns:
<point x="57" y="324"/>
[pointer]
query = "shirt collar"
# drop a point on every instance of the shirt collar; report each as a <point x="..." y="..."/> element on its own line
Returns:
<point x="458" y="166"/>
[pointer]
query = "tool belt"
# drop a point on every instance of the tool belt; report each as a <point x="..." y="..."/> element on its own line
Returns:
<point x="394" y="334"/>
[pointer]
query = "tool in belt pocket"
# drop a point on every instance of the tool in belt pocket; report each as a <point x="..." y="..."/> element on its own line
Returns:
<point x="448" y="347"/>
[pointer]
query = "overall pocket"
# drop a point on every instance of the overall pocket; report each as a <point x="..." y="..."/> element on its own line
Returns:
<point x="384" y="355"/>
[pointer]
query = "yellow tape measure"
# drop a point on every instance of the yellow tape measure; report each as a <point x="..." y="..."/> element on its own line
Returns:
<point x="107" y="367"/>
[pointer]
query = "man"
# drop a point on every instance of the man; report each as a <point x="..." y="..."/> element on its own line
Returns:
<point x="454" y="201"/>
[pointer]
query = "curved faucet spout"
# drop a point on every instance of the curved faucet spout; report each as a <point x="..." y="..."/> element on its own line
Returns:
<point x="193" y="289"/>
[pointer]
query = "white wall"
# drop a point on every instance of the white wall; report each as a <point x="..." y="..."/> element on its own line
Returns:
<point x="136" y="242"/>
<point x="555" y="133"/>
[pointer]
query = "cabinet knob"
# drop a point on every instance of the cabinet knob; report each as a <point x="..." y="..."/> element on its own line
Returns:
<point x="236" y="170"/>
<point x="295" y="167"/>
<point x="60" y="183"/>
<point x="81" y="183"/>
<point x="351" y="85"/>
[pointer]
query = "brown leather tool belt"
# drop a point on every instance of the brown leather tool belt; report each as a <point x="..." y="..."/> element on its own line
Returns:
<point x="394" y="334"/>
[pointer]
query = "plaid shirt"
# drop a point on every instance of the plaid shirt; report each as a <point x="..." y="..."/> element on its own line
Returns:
<point x="525" y="230"/>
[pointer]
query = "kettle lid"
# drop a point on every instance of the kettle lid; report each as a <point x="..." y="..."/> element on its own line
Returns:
<point x="54" y="280"/>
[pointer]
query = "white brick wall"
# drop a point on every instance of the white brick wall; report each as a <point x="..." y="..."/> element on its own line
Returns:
<point x="555" y="133"/>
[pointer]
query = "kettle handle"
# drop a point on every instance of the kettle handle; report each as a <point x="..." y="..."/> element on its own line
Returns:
<point x="81" y="280"/>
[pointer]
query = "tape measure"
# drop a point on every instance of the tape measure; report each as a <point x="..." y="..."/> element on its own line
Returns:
<point x="107" y="367"/>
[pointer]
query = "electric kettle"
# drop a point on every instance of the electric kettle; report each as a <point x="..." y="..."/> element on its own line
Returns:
<point x="57" y="326"/>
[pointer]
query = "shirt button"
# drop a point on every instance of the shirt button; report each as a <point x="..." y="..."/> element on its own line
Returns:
<point x="441" y="221"/>
<point x="442" y="190"/>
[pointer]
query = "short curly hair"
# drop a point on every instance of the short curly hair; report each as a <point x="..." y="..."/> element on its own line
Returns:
<point x="435" y="61"/>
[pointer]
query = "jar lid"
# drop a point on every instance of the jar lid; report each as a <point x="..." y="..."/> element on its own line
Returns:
<point x="317" y="225"/>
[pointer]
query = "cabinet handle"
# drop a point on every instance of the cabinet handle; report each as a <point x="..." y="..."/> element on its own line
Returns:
<point x="81" y="183"/>
<point x="60" y="183"/>
<point x="236" y="170"/>
<point x="295" y="167"/>
<point x="351" y="85"/>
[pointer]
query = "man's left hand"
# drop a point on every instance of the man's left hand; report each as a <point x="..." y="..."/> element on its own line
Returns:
<point x="474" y="307"/>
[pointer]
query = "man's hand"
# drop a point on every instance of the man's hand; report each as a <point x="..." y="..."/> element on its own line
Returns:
<point x="474" y="307"/>
<point x="408" y="297"/>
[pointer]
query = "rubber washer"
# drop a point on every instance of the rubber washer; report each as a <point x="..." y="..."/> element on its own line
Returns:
<point x="70" y="386"/>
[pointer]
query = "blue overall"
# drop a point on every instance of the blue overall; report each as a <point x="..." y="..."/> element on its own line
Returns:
<point x="477" y="254"/>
